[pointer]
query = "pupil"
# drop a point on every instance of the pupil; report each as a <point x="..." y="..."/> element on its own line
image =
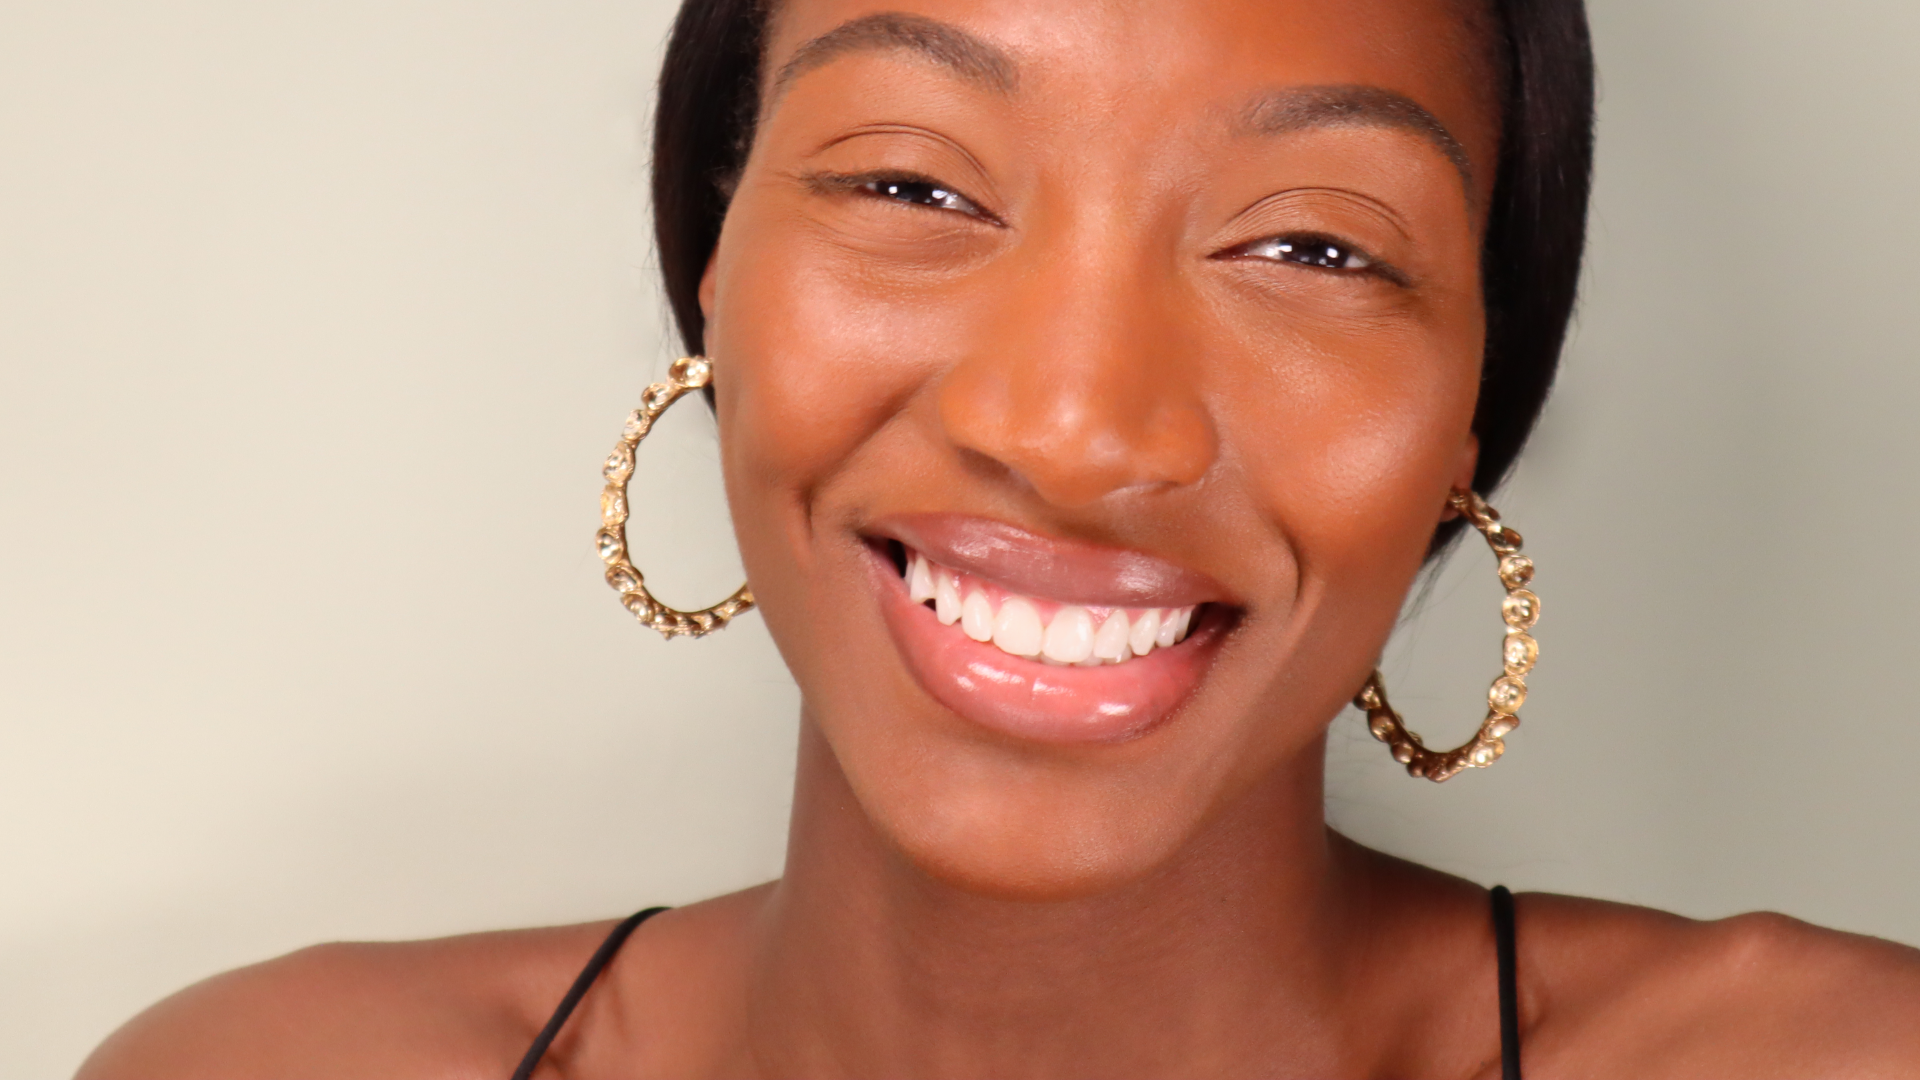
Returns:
<point x="1322" y="255"/>
<point x="909" y="191"/>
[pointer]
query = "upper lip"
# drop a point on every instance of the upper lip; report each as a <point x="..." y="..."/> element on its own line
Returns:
<point x="1052" y="568"/>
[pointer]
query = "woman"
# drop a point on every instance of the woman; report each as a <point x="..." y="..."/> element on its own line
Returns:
<point x="1092" y="382"/>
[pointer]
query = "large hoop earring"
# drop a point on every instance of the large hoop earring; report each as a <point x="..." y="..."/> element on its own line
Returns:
<point x="689" y="373"/>
<point x="1520" y="610"/>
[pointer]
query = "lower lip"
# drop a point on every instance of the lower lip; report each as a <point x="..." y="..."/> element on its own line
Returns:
<point x="1042" y="702"/>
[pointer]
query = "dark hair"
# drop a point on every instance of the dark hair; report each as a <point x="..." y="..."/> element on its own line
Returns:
<point x="1536" y="226"/>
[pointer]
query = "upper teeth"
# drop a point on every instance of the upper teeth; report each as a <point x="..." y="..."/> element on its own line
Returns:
<point x="1073" y="635"/>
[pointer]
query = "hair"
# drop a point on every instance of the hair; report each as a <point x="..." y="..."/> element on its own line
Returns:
<point x="1530" y="259"/>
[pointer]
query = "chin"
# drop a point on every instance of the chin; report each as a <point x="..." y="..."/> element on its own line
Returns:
<point x="1033" y="855"/>
<point x="1002" y="821"/>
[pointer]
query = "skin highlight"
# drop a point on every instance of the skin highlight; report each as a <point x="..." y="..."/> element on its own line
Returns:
<point x="940" y="290"/>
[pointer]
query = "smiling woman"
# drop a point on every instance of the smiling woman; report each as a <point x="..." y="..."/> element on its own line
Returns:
<point x="1093" y="381"/>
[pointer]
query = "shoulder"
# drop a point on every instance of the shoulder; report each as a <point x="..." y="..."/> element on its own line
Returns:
<point x="1610" y="989"/>
<point x="453" y="1007"/>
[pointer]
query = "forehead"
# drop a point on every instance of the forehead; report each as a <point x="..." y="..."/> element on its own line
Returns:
<point x="1417" y="64"/>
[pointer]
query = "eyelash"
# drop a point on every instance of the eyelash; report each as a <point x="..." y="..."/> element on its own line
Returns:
<point x="931" y="194"/>
<point x="1312" y="251"/>
<point x="898" y="188"/>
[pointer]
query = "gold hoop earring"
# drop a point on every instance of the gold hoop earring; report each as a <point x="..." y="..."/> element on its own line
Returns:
<point x="1520" y="610"/>
<point x="689" y="373"/>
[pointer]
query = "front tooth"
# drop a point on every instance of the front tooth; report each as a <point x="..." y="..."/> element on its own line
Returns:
<point x="1169" y="630"/>
<point x="1146" y="631"/>
<point x="976" y="616"/>
<point x="920" y="580"/>
<point x="1070" y="635"/>
<point x="946" y="597"/>
<point x="1017" y="628"/>
<point x="1186" y="620"/>
<point x="1110" y="644"/>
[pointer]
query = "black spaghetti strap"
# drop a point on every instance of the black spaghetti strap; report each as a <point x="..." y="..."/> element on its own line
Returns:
<point x="1503" y="945"/>
<point x="601" y="958"/>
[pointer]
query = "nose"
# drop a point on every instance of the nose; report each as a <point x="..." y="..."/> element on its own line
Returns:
<point x="1084" y="383"/>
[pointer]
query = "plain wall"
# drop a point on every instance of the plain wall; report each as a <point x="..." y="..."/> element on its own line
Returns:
<point x="316" y="320"/>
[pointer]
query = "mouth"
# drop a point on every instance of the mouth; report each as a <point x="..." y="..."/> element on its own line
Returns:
<point x="1036" y="628"/>
<point x="1043" y="639"/>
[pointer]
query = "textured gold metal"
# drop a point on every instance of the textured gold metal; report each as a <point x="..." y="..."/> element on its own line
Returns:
<point x="689" y="373"/>
<point x="1520" y="610"/>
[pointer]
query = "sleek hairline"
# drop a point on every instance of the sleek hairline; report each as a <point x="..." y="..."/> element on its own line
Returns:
<point x="972" y="58"/>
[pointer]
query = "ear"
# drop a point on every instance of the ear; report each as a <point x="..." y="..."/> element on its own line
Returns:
<point x="1463" y="473"/>
<point x="707" y="286"/>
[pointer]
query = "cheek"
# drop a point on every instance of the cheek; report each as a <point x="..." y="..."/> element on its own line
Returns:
<point x="814" y="362"/>
<point x="1358" y="444"/>
<point x="818" y="355"/>
<point x="1348" y="439"/>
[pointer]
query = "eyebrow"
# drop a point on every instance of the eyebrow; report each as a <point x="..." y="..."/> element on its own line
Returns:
<point x="981" y="62"/>
<point x="972" y="58"/>
<point x="1307" y="107"/>
<point x="1304" y="108"/>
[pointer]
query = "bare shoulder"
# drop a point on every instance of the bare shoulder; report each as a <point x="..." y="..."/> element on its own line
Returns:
<point x="455" y="1007"/>
<point x="1615" y="990"/>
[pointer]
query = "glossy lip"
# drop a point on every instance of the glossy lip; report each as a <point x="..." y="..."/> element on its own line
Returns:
<point x="1051" y="568"/>
<point x="1028" y="699"/>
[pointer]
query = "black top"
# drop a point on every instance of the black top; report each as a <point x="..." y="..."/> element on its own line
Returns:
<point x="1503" y="948"/>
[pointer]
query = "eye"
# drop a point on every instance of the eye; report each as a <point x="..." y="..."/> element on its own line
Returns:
<point x="1319" y="252"/>
<point x="918" y="192"/>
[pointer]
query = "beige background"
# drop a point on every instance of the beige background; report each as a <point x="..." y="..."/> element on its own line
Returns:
<point x="316" y="319"/>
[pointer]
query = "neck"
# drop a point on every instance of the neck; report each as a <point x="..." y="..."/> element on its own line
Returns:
<point x="1237" y="950"/>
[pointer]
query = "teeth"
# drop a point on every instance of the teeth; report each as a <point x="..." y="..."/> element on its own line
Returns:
<point x="1169" y="629"/>
<point x="1016" y="629"/>
<point x="976" y="618"/>
<point x="1074" y="636"/>
<point x="946" y="599"/>
<point x="1070" y="636"/>
<point x="920" y="580"/>
<point x="1110" y="644"/>
<point x="1146" y="633"/>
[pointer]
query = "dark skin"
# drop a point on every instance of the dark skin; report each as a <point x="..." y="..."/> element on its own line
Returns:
<point x="939" y="288"/>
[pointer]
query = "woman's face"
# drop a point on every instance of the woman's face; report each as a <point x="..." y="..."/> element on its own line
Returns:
<point x="1144" y="337"/>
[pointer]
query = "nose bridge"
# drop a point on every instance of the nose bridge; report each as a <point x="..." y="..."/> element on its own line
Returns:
<point x="1081" y="381"/>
